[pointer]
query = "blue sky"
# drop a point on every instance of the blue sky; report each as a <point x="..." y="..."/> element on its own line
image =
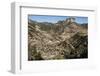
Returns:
<point x="54" y="19"/>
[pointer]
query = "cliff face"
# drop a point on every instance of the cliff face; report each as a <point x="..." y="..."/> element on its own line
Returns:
<point x="63" y="40"/>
